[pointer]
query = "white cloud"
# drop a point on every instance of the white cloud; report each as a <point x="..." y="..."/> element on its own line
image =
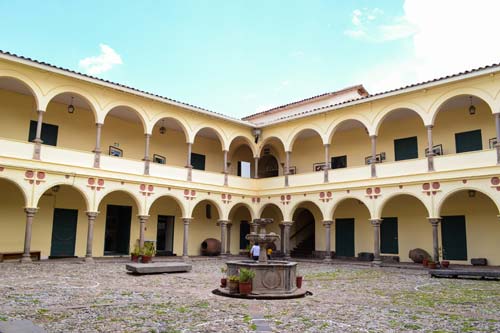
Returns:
<point x="101" y="63"/>
<point x="447" y="36"/>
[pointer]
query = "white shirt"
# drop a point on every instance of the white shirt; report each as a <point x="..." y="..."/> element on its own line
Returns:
<point x="255" y="251"/>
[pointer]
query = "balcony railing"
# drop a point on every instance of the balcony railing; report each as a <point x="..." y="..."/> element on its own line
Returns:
<point x="469" y="160"/>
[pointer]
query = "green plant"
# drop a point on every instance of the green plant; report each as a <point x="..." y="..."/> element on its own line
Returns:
<point x="149" y="249"/>
<point x="223" y="270"/>
<point x="136" y="251"/>
<point x="234" y="278"/>
<point x="246" y="274"/>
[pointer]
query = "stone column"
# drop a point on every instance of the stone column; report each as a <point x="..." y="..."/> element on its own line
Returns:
<point x="91" y="216"/>
<point x="497" y="126"/>
<point x="97" y="150"/>
<point x="327" y="162"/>
<point x="146" y="159"/>
<point x="228" y="249"/>
<point x="30" y="213"/>
<point x="282" y="238"/>
<point x="38" y="136"/>
<point x="186" y="221"/>
<point x="373" y="139"/>
<point x="287" y="167"/>
<point x="188" y="165"/>
<point x="224" y="169"/>
<point x="223" y="237"/>
<point x="286" y="236"/>
<point x="328" y="248"/>
<point x="376" y="240"/>
<point x="142" y="227"/>
<point x="435" y="242"/>
<point x="256" y="169"/>
<point x="430" y="155"/>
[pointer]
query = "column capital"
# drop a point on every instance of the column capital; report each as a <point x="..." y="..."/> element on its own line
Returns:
<point x="287" y="223"/>
<point x="99" y="124"/>
<point x="434" y="220"/>
<point x="38" y="111"/>
<point x="147" y="135"/>
<point x="327" y="223"/>
<point x="375" y="222"/>
<point x="429" y="126"/>
<point x="92" y="215"/>
<point x="374" y="136"/>
<point x="326" y="145"/>
<point x="223" y="222"/>
<point x="143" y="218"/>
<point x="30" y="211"/>
<point x="187" y="220"/>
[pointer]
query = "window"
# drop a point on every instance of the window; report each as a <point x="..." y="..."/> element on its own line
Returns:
<point x="198" y="161"/>
<point x="339" y="162"/>
<point x="49" y="133"/>
<point x="468" y="141"/>
<point x="406" y="149"/>
<point x="244" y="169"/>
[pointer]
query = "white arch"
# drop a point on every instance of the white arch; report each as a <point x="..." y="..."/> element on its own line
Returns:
<point x="449" y="194"/>
<point x="88" y="97"/>
<point x="186" y="129"/>
<point x="46" y="187"/>
<point x="436" y="105"/>
<point x="382" y="115"/>
<point x="248" y="142"/>
<point x="33" y="87"/>
<point x="391" y="196"/>
<point x="212" y="202"/>
<point x="237" y="205"/>
<point x="296" y="132"/>
<point x="19" y="187"/>
<point x="263" y="207"/>
<point x="136" y="109"/>
<point x="298" y="204"/>
<point x="169" y="196"/>
<point x="266" y="141"/>
<point x="132" y="195"/>
<point x="351" y="117"/>
<point x="336" y="204"/>
<point x="218" y="131"/>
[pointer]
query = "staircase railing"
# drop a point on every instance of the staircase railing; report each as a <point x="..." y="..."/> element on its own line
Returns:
<point x="298" y="231"/>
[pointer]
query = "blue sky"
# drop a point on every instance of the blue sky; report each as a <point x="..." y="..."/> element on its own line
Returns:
<point x="239" y="57"/>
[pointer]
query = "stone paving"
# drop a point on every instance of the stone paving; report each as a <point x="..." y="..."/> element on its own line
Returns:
<point x="102" y="297"/>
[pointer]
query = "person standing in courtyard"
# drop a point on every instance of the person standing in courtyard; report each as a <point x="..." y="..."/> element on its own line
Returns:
<point x="255" y="252"/>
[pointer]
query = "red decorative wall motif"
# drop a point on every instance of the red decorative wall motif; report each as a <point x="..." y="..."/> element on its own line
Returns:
<point x="325" y="196"/>
<point x="95" y="183"/>
<point x="146" y="189"/>
<point x="226" y="198"/>
<point x="34" y="177"/>
<point x="255" y="200"/>
<point x="189" y="194"/>
<point x="431" y="188"/>
<point x="285" y="199"/>
<point x="373" y="192"/>
<point x="495" y="183"/>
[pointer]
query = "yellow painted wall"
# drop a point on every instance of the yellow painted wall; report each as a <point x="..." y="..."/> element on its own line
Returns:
<point x="166" y="206"/>
<point x="481" y="223"/>
<point x="202" y="228"/>
<point x="212" y="149"/>
<point x="12" y="218"/>
<point x="363" y="230"/>
<point x="241" y="153"/>
<point x="16" y="111"/>
<point x="129" y="136"/>
<point x="354" y="143"/>
<point x="306" y="152"/>
<point x="171" y="145"/>
<point x="240" y="214"/>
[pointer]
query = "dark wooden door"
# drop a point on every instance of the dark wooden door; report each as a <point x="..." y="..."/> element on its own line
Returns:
<point x="405" y="149"/>
<point x="49" y="133"/>
<point x="198" y="161"/>
<point x="117" y="234"/>
<point x="344" y="237"/>
<point x="389" y="235"/>
<point x="453" y="237"/>
<point x="165" y="235"/>
<point x="468" y="141"/>
<point x="64" y="232"/>
<point x="244" y="230"/>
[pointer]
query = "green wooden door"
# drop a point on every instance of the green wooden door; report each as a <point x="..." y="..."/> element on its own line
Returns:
<point x="117" y="234"/>
<point x="49" y="133"/>
<point x="453" y="237"/>
<point x="198" y="161"/>
<point x="468" y="141"/>
<point x="344" y="237"/>
<point x="64" y="232"/>
<point x="389" y="235"/>
<point x="405" y="149"/>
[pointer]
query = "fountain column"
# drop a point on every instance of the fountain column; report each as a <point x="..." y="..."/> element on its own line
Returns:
<point x="286" y="237"/>
<point x="328" y="255"/>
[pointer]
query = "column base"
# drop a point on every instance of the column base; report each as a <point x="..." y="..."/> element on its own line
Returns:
<point x="186" y="258"/>
<point x="26" y="260"/>
<point x="377" y="262"/>
<point x="89" y="260"/>
<point x="327" y="259"/>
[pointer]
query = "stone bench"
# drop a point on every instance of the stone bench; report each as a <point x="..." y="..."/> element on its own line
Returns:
<point x="35" y="255"/>
<point x="158" y="267"/>
<point x="455" y="273"/>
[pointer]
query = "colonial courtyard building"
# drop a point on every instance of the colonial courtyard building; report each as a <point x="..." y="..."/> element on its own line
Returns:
<point x="89" y="167"/>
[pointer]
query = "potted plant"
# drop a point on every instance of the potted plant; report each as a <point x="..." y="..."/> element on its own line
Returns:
<point x="223" y="280"/>
<point x="445" y="263"/>
<point x="148" y="252"/>
<point x="431" y="264"/>
<point x="136" y="252"/>
<point x="234" y="284"/>
<point x="298" y="281"/>
<point x="246" y="276"/>
<point x="425" y="261"/>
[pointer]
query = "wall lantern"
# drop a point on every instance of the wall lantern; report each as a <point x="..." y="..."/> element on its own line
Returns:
<point x="472" y="108"/>
<point x="163" y="129"/>
<point x="472" y="193"/>
<point x="256" y="132"/>
<point x="71" y="107"/>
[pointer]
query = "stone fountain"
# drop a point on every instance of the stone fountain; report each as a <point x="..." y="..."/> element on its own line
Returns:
<point x="274" y="279"/>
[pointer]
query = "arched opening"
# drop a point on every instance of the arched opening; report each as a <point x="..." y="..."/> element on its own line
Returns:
<point x="207" y="151"/>
<point x="464" y="123"/>
<point x="165" y="226"/>
<point x="469" y="227"/>
<point x="13" y="217"/>
<point x="168" y="143"/>
<point x="123" y="133"/>
<point x="352" y="232"/>
<point x="60" y="230"/>
<point x="404" y="227"/>
<point x="18" y="106"/>
<point x="116" y="229"/>
<point x="349" y="145"/>
<point x="68" y="116"/>
<point x="303" y="236"/>
<point x="401" y="136"/>
<point x="306" y="147"/>
<point x="241" y="158"/>
<point x="274" y="212"/>
<point x="271" y="156"/>
<point x="241" y="219"/>
<point x="206" y="215"/>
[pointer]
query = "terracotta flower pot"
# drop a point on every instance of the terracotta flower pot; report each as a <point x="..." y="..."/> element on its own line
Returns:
<point x="134" y="258"/>
<point x="425" y="262"/>
<point x="234" y="287"/>
<point x="445" y="263"/>
<point x="298" y="281"/>
<point x="146" y="259"/>
<point x="223" y="282"/>
<point x="245" y="287"/>
<point x="432" y="265"/>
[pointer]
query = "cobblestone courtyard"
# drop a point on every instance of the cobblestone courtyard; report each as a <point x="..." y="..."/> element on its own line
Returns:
<point x="73" y="297"/>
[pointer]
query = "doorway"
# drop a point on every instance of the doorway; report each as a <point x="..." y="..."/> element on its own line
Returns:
<point x="344" y="237"/>
<point x="389" y="235"/>
<point x="454" y="237"/>
<point x="117" y="234"/>
<point x="63" y="233"/>
<point x="165" y="235"/>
